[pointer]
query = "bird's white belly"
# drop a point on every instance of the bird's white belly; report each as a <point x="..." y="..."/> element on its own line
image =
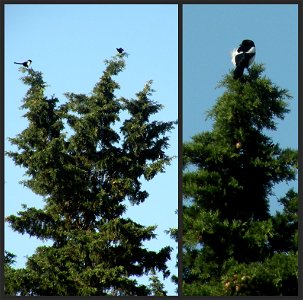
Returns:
<point x="233" y="56"/>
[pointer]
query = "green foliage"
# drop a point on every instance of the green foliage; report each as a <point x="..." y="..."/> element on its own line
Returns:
<point x="276" y="275"/>
<point x="229" y="175"/>
<point x="86" y="169"/>
<point x="156" y="286"/>
<point x="285" y="236"/>
<point x="175" y="235"/>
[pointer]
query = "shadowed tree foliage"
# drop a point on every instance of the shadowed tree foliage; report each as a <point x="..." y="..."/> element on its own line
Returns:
<point x="175" y="234"/>
<point x="232" y="245"/>
<point x="85" y="162"/>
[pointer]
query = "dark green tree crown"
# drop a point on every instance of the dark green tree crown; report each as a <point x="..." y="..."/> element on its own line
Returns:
<point x="231" y="244"/>
<point x="86" y="168"/>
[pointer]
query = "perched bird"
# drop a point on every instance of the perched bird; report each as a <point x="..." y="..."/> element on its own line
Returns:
<point x="243" y="57"/>
<point x="25" y="64"/>
<point x="120" y="50"/>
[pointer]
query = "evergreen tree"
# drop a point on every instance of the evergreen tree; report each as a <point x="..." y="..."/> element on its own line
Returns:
<point x="156" y="286"/>
<point x="86" y="170"/>
<point x="231" y="243"/>
<point x="11" y="286"/>
<point x="175" y="234"/>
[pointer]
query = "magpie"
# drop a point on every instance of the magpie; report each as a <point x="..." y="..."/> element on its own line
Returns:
<point x="243" y="57"/>
<point x="120" y="50"/>
<point x="25" y="64"/>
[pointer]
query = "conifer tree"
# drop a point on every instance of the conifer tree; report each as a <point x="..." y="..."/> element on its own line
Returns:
<point x="175" y="234"/>
<point x="231" y="243"/>
<point x="86" y="169"/>
<point x="156" y="286"/>
<point x="11" y="286"/>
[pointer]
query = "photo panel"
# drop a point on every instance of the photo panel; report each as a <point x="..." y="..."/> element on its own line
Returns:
<point x="91" y="145"/>
<point x="240" y="150"/>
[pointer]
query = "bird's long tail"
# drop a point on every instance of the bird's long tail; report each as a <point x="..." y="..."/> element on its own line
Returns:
<point x="18" y="63"/>
<point x="238" y="72"/>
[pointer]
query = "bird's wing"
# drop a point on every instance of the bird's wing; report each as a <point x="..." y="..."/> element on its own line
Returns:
<point x="244" y="59"/>
<point x="251" y="50"/>
<point x="240" y="58"/>
<point x="251" y="58"/>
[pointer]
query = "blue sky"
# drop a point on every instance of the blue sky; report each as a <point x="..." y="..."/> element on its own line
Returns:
<point x="69" y="44"/>
<point x="210" y="32"/>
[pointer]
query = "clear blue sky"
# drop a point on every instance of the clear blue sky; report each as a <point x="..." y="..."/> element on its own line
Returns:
<point x="210" y="32"/>
<point x="69" y="43"/>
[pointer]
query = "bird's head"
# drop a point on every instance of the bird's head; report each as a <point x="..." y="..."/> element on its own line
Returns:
<point x="246" y="45"/>
<point x="120" y="50"/>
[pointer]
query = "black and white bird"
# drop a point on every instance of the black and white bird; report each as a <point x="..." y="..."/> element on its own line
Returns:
<point x="120" y="50"/>
<point x="25" y="64"/>
<point x="243" y="57"/>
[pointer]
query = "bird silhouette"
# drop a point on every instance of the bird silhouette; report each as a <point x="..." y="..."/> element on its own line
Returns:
<point x="25" y="64"/>
<point x="243" y="57"/>
<point x="120" y="50"/>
